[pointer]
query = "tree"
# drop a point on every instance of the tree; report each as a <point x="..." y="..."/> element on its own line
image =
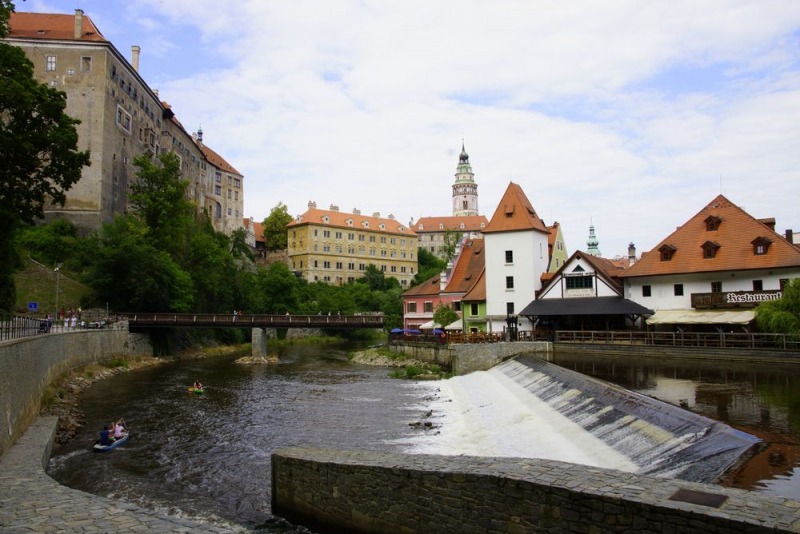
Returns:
<point x="781" y="316"/>
<point x="428" y="265"/>
<point x="444" y="316"/>
<point x="39" y="146"/>
<point x="451" y="240"/>
<point x="274" y="225"/>
<point x="159" y="197"/>
<point x="238" y="244"/>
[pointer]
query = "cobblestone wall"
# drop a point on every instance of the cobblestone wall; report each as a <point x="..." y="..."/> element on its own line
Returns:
<point x="28" y="365"/>
<point x="465" y="358"/>
<point x="358" y="491"/>
<point x="425" y="352"/>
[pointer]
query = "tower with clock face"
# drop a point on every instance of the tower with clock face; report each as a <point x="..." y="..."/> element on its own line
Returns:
<point x="465" y="190"/>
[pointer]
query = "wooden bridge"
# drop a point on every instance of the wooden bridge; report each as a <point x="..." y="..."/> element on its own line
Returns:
<point x="188" y="320"/>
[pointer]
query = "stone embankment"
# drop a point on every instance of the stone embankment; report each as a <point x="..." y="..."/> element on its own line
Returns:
<point x="374" y="357"/>
<point x="31" y="501"/>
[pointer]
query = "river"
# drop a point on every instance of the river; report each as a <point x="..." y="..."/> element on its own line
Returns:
<point x="209" y="455"/>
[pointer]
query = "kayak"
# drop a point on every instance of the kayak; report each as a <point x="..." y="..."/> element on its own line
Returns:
<point x="199" y="391"/>
<point x="102" y="448"/>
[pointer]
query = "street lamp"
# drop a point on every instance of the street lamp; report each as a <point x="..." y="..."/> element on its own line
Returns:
<point x="57" y="270"/>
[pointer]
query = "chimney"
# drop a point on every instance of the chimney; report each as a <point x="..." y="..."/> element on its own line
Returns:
<point x="391" y="217"/>
<point x="769" y="222"/>
<point x="790" y="236"/>
<point x="155" y="92"/>
<point x="312" y="204"/>
<point x="631" y="254"/>
<point x="135" y="57"/>
<point x="356" y="211"/>
<point x="334" y="207"/>
<point x="78" y="31"/>
<point x="377" y="215"/>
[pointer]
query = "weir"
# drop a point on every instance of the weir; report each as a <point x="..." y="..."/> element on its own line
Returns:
<point x="660" y="439"/>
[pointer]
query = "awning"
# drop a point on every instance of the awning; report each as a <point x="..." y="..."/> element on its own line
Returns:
<point x="702" y="317"/>
<point x="584" y="306"/>
<point x="456" y="325"/>
<point x="430" y="325"/>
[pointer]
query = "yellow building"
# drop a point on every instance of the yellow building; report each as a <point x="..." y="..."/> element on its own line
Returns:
<point x="335" y="247"/>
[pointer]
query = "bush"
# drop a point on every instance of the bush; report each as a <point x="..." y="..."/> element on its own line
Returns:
<point x="116" y="362"/>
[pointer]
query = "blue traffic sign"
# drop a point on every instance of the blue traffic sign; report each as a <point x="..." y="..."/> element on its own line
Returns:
<point x="33" y="306"/>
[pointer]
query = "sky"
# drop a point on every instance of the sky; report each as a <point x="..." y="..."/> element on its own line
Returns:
<point x="631" y="115"/>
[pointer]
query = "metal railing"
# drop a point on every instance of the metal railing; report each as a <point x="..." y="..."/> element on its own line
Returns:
<point x="724" y="340"/>
<point x="15" y="327"/>
<point x="209" y="320"/>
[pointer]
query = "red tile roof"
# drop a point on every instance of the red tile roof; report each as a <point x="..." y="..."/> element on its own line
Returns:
<point x="428" y="287"/>
<point x="472" y="223"/>
<point x="52" y="26"/>
<point x="551" y="239"/>
<point x="514" y="213"/>
<point x="258" y="229"/>
<point x="217" y="160"/>
<point x="339" y="219"/>
<point x="468" y="267"/>
<point x="478" y="291"/>
<point x="735" y="234"/>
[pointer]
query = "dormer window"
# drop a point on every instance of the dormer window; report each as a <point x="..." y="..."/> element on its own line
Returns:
<point x="710" y="249"/>
<point x="420" y="227"/>
<point x="441" y="226"/>
<point x="667" y="251"/>
<point x="382" y="226"/>
<point x="462" y="226"/>
<point x="712" y="223"/>
<point x="349" y="222"/>
<point x="509" y="210"/>
<point x="483" y="225"/>
<point x="402" y="229"/>
<point x="761" y="245"/>
<point x="366" y="224"/>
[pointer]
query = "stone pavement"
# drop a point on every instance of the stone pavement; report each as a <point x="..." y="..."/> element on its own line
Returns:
<point x="31" y="501"/>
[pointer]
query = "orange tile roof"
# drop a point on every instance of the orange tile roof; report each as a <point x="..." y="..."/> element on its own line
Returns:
<point x="468" y="268"/>
<point x="258" y="229"/>
<point x="217" y="160"/>
<point x="735" y="235"/>
<point x="429" y="287"/>
<point x="514" y="212"/>
<point x="52" y="26"/>
<point x="339" y="219"/>
<point x="478" y="291"/>
<point x="551" y="239"/>
<point x="602" y="266"/>
<point x="434" y="224"/>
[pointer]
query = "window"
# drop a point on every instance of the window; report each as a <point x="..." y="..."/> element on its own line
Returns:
<point x="393" y="269"/>
<point x="457" y="305"/>
<point x="761" y="245"/>
<point x="86" y="63"/>
<point x="124" y="118"/>
<point x="351" y="236"/>
<point x="316" y="232"/>
<point x="509" y="256"/>
<point x="218" y="210"/>
<point x="361" y="237"/>
<point x="716" y="287"/>
<point x="710" y="249"/>
<point x="229" y="212"/>
<point x="428" y="307"/>
<point x="217" y="190"/>
<point x="338" y="265"/>
<point x="509" y="308"/>
<point x="580" y="282"/>
<point x="50" y="64"/>
<point x="372" y="239"/>
<point x="351" y="266"/>
<point x="473" y="308"/>
<point x="412" y="307"/>
<point x="229" y="193"/>
<point x="230" y="180"/>
<point x="678" y="290"/>
<point x="712" y="223"/>
<point x="326" y="248"/>
<point x="758" y="285"/>
<point x="235" y="195"/>
<point x="338" y="235"/>
<point x="326" y="233"/>
<point x="645" y="291"/>
<point x="383" y="239"/>
<point x="237" y="182"/>
<point x="509" y="282"/>
<point x="326" y="265"/>
<point x="218" y="177"/>
<point x="667" y="251"/>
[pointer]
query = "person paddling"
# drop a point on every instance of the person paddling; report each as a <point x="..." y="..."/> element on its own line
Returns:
<point x="105" y="436"/>
<point x="198" y="385"/>
<point x="119" y="427"/>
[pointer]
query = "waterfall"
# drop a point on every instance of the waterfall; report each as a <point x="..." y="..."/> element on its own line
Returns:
<point x="526" y="407"/>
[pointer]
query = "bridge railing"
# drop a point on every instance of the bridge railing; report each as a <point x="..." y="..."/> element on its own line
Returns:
<point x="15" y="327"/>
<point x="254" y="320"/>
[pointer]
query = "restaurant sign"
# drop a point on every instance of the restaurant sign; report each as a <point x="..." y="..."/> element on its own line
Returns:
<point x="733" y="299"/>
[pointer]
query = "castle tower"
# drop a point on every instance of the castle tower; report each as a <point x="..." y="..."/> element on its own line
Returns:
<point x="592" y="243"/>
<point x="465" y="190"/>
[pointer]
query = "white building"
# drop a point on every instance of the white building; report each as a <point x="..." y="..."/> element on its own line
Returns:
<point x="516" y="257"/>
<point x="713" y="270"/>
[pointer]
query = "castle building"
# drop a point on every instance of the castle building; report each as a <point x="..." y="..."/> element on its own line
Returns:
<point x="121" y="118"/>
<point x="335" y="247"/>
<point x="439" y="235"/>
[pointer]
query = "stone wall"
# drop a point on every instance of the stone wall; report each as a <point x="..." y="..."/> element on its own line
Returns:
<point x="686" y="353"/>
<point x="28" y="365"/>
<point x="357" y="491"/>
<point x="465" y="358"/>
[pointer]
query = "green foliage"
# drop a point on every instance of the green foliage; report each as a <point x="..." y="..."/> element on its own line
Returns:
<point x="116" y="362"/>
<point x="274" y="225"/>
<point x="428" y="265"/>
<point x="132" y="275"/>
<point x="781" y="316"/>
<point x="238" y="245"/>
<point x="451" y="239"/>
<point x="39" y="147"/>
<point x="444" y="315"/>
<point x="279" y="290"/>
<point x="159" y="197"/>
<point x="52" y="243"/>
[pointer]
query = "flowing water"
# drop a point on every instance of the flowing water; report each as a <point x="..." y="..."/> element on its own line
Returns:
<point x="209" y="455"/>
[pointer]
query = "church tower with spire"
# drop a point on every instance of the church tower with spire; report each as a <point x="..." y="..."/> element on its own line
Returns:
<point x="592" y="243"/>
<point x="465" y="190"/>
